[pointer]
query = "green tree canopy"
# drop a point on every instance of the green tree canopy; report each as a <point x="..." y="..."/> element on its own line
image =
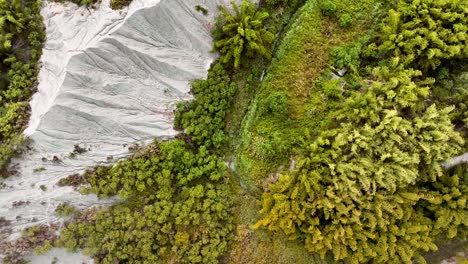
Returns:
<point x="21" y="36"/>
<point x="243" y="33"/>
<point x="425" y="32"/>
<point x="176" y="209"/>
<point x="357" y="188"/>
<point x="371" y="187"/>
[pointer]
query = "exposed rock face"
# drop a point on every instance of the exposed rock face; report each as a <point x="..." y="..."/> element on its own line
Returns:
<point x="108" y="79"/>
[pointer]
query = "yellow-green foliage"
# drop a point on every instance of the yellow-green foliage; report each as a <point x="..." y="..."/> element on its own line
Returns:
<point x="21" y="36"/>
<point x="243" y="34"/>
<point x="355" y="192"/>
<point x="267" y="138"/>
<point x="176" y="209"/>
<point x="370" y="187"/>
<point x="425" y="32"/>
<point x="283" y="3"/>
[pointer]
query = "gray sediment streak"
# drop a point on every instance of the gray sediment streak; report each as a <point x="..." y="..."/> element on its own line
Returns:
<point x="456" y="161"/>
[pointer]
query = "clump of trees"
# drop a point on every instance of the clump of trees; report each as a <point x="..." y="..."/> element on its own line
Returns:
<point x="242" y="34"/>
<point x="364" y="190"/>
<point x="203" y="118"/>
<point x="423" y="33"/>
<point x="371" y="187"/>
<point x="285" y="3"/>
<point x="21" y="36"/>
<point x="176" y="209"/>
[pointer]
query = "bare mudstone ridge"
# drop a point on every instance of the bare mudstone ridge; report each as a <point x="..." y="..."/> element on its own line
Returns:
<point x="108" y="79"/>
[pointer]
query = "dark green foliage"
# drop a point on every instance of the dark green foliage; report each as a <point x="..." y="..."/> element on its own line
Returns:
<point x="423" y="33"/>
<point x="176" y="209"/>
<point x="362" y="178"/>
<point x="345" y="20"/>
<point x="21" y="36"/>
<point x="349" y="55"/>
<point x="203" y="118"/>
<point x="332" y="88"/>
<point x="285" y="3"/>
<point x="276" y="103"/>
<point x="327" y="7"/>
<point x="243" y="34"/>
<point x="201" y="9"/>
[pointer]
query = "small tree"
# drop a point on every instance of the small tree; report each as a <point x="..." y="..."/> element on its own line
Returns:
<point x="243" y="33"/>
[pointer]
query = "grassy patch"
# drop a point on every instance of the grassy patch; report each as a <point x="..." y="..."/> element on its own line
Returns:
<point x="20" y="50"/>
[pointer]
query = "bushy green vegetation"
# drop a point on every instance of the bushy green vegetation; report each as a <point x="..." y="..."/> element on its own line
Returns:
<point x="176" y="209"/>
<point x="203" y="118"/>
<point x="242" y="35"/>
<point x="370" y="187"/>
<point x="327" y="7"/>
<point x="267" y="141"/>
<point x="21" y="36"/>
<point x="201" y="9"/>
<point x="349" y="55"/>
<point x="424" y="33"/>
<point x="370" y="176"/>
<point x="271" y="4"/>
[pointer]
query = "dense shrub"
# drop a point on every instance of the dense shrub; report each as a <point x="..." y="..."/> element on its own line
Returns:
<point x="332" y="88"/>
<point x="276" y="103"/>
<point x="203" y="118"/>
<point x="349" y="55"/>
<point x="176" y="209"/>
<point x="21" y="36"/>
<point x="285" y="3"/>
<point x="423" y="33"/>
<point x="345" y="20"/>
<point x="242" y="34"/>
<point x="64" y="210"/>
<point x="327" y="7"/>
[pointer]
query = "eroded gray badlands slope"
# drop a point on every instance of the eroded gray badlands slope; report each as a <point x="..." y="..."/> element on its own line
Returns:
<point x="108" y="79"/>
